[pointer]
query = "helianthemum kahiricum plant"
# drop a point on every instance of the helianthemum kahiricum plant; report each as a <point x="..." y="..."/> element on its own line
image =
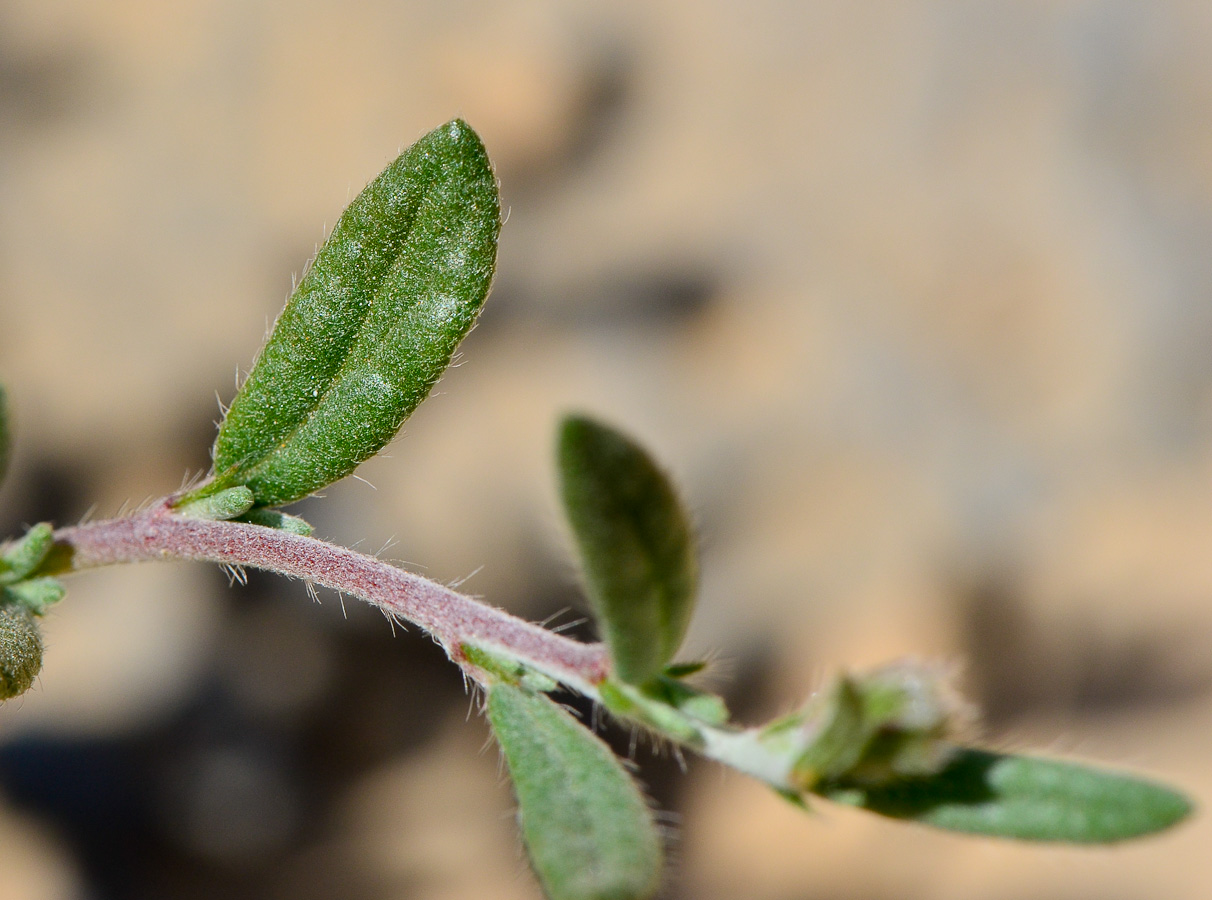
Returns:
<point x="361" y="342"/>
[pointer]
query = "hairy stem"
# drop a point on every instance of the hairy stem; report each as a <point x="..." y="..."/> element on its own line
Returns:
<point x="451" y="618"/>
<point x="454" y="620"/>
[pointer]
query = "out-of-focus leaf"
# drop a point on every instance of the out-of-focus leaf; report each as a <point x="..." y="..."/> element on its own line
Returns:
<point x="36" y="594"/>
<point x="4" y="438"/>
<point x="372" y="325"/>
<point x="636" y="545"/>
<point x="589" y="832"/>
<point x="1024" y="797"/>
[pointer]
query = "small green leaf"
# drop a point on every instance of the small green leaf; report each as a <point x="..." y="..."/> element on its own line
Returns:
<point x="20" y="650"/>
<point x="629" y="702"/>
<point x="897" y="721"/>
<point x="685" y="670"/>
<point x="636" y="545"/>
<point x="279" y="521"/>
<point x="24" y="556"/>
<point x="510" y="671"/>
<point x="840" y="736"/>
<point x="589" y="832"/>
<point x="224" y="505"/>
<point x="4" y="438"/>
<point x="686" y="698"/>
<point x="36" y="594"/>
<point x="1024" y="797"/>
<point x="372" y="325"/>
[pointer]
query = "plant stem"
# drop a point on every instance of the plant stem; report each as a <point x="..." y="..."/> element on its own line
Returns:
<point x="451" y="618"/>
<point x="454" y="620"/>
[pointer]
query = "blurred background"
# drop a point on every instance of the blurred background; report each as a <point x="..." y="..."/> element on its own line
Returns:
<point x="914" y="298"/>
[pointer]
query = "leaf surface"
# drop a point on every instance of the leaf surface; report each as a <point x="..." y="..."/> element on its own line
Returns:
<point x="588" y="831"/>
<point x="372" y="325"/>
<point x="1026" y="798"/>
<point x="636" y="545"/>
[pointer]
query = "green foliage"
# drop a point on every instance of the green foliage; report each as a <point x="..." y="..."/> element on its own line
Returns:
<point x="510" y="671"/>
<point x="589" y="833"/>
<point x="360" y="344"/>
<point x="1023" y="797"/>
<point x="226" y="504"/>
<point x="372" y="325"/>
<point x="892" y="723"/>
<point x="35" y="594"/>
<point x="23" y="557"/>
<point x="636" y="546"/>
<point x="280" y="521"/>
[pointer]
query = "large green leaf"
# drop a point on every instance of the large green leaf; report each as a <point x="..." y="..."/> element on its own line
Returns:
<point x="589" y="832"/>
<point x="1024" y="797"/>
<point x="372" y="325"/>
<point x="635" y="542"/>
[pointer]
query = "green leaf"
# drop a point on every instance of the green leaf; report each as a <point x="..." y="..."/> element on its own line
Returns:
<point x="841" y="736"/>
<point x="23" y="557"/>
<point x="589" y="832"/>
<point x="372" y="325"/>
<point x="224" y="505"/>
<point x="279" y="521"/>
<point x="1024" y="797"/>
<point x="635" y="542"/>
<point x="4" y="438"/>
<point x="37" y="594"/>
<point x="20" y="650"/>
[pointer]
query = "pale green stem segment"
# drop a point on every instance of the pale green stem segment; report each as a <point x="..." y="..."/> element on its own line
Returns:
<point x="372" y="325"/>
<point x="635" y="542"/>
<point x="588" y="830"/>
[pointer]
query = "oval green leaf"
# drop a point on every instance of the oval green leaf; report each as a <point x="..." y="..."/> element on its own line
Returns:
<point x="588" y="831"/>
<point x="372" y="325"/>
<point x="636" y="545"/>
<point x="1025" y="798"/>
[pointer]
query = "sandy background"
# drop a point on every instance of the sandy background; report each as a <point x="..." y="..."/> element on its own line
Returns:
<point x="915" y="298"/>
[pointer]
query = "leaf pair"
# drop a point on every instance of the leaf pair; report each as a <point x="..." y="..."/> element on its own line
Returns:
<point x="588" y="831"/>
<point x="370" y="328"/>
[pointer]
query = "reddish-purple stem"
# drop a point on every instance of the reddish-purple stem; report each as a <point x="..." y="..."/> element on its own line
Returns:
<point x="453" y="619"/>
